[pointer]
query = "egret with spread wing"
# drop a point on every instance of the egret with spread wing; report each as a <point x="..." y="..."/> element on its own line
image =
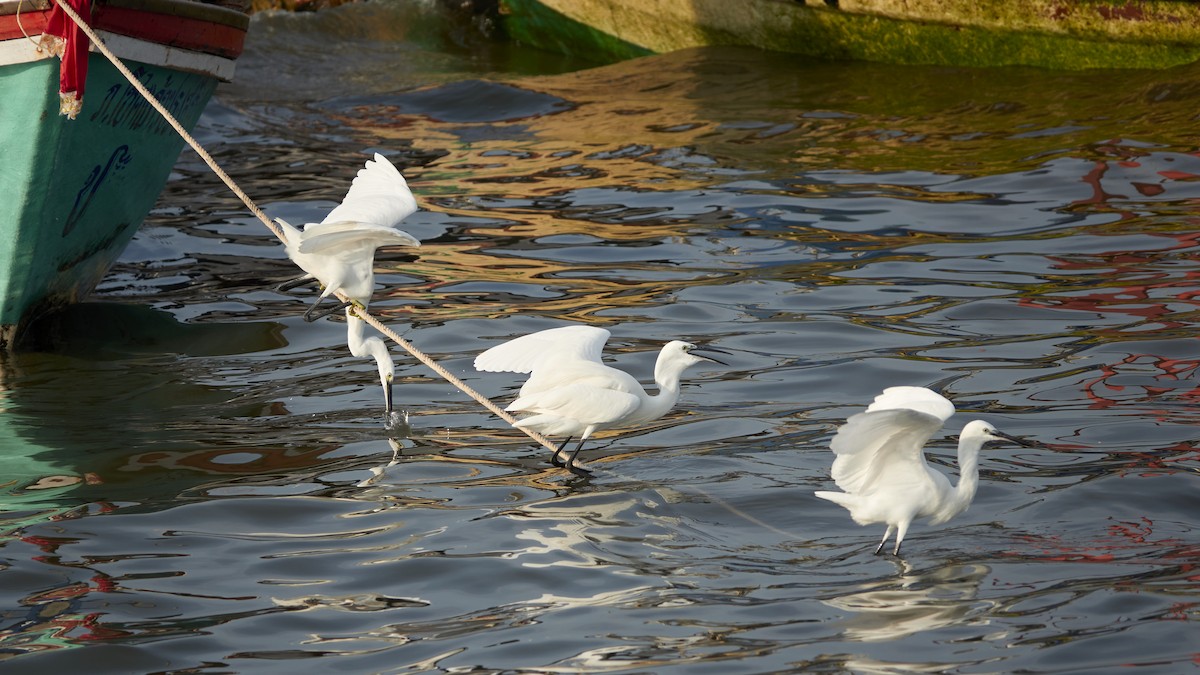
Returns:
<point x="570" y="392"/>
<point x="881" y="467"/>
<point x="339" y="252"/>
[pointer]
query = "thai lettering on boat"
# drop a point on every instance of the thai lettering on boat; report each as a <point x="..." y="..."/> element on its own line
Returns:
<point x="123" y="107"/>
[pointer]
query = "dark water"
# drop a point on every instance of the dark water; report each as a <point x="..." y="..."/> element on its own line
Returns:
<point x="200" y="481"/>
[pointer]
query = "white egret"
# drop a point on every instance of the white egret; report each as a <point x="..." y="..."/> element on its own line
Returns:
<point x="881" y="467"/>
<point x="339" y="252"/>
<point x="570" y="392"/>
<point x="374" y="347"/>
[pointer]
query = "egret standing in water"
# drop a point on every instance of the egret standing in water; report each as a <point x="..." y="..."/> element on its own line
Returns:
<point x="570" y="392"/>
<point x="339" y="252"/>
<point x="881" y="465"/>
<point x="373" y="347"/>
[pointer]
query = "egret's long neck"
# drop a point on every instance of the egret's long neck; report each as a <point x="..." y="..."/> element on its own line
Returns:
<point x="354" y="334"/>
<point x="372" y="346"/>
<point x="666" y="376"/>
<point x="968" y="474"/>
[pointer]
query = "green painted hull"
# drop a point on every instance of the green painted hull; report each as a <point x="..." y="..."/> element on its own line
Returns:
<point x="1098" y="34"/>
<point x="75" y="191"/>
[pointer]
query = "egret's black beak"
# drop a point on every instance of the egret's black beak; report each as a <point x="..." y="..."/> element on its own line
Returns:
<point x="387" y="397"/>
<point x="703" y="352"/>
<point x="1018" y="440"/>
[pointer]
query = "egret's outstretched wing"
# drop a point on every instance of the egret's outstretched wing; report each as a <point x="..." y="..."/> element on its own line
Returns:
<point x="913" y="398"/>
<point x="343" y="236"/>
<point x="556" y="345"/>
<point x="379" y="195"/>
<point x="882" y="444"/>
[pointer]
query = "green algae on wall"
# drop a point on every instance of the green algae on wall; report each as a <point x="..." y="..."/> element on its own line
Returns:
<point x="1149" y="21"/>
<point x="535" y="24"/>
<point x="609" y="30"/>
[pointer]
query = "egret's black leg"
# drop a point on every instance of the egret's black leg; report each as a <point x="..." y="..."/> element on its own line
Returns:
<point x="561" y="446"/>
<point x="296" y="283"/>
<point x="570" y="465"/>
<point x="901" y="530"/>
<point x="887" y="533"/>
<point x="312" y="314"/>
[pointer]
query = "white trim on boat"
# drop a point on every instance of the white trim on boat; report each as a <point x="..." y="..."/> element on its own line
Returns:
<point x="24" y="50"/>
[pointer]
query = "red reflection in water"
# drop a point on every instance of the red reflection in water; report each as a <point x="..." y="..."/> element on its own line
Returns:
<point x="1102" y="393"/>
<point x="1122" y="537"/>
<point x="1144" y="285"/>
<point x="53" y="619"/>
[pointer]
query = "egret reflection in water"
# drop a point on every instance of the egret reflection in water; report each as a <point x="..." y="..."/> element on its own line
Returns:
<point x="913" y="603"/>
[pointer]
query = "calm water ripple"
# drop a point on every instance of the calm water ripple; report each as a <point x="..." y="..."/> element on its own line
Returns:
<point x="201" y="482"/>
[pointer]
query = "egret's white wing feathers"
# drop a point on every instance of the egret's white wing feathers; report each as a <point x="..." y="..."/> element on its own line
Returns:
<point x="339" y="252"/>
<point x="913" y="398"/>
<point x="379" y="195"/>
<point x="342" y="236"/>
<point x="884" y="443"/>
<point x="291" y="233"/>
<point x="528" y="352"/>
<point x="550" y="425"/>
<point x="584" y="401"/>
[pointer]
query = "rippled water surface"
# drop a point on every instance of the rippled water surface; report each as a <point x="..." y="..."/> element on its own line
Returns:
<point x="201" y="482"/>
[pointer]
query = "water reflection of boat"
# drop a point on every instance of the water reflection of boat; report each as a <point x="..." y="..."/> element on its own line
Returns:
<point x="1103" y="34"/>
<point x="77" y="189"/>
<point x="60" y="407"/>
<point x="33" y="485"/>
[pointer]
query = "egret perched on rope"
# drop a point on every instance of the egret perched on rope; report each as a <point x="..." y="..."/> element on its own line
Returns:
<point x="881" y="464"/>
<point x="570" y="392"/>
<point x="339" y="252"/>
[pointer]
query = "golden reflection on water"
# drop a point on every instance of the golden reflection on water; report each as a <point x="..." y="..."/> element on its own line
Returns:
<point x="654" y="121"/>
<point x="673" y="124"/>
<point x="445" y="266"/>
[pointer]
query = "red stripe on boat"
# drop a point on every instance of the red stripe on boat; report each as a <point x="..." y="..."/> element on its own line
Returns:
<point x="174" y="31"/>
<point x="164" y="29"/>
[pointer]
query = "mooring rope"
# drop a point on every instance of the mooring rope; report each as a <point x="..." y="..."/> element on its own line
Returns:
<point x="22" y="26"/>
<point x="275" y="229"/>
